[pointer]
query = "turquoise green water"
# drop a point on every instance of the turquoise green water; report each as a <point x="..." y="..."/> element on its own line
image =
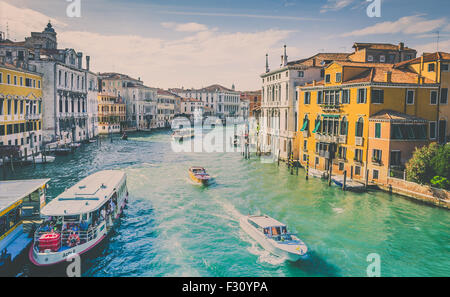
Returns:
<point x="175" y="228"/>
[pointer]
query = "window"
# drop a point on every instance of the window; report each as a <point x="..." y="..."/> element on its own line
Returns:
<point x="307" y="99"/>
<point x="358" y="155"/>
<point x="445" y="67"/>
<point x="345" y="96"/>
<point x="375" y="174"/>
<point x="327" y="78"/>
<point x="319" y="97"/>
<point x="342" y="153"/>
<point x="376" y="156"/>
<point x="377" y="96"/>
<point x="344" y="126"/>
<point x="444" y="96"/>
<point x="8" y="79"/>
<point x="357" y="170"/>
<point x="382" y="59"/>
<point x="341" y="166"/>
<point x="301" y="74"/>
<point x="377" y="130"/>
<point x="431" y="67"/>
<point x="338" y="77"/>
<point x="410" y="97"/>
<point x="359" y="127"/>
<point x="361" y="96"/>
<point x="433" y="97"/>
<point x="15" y="80"/>
<point x="1" y="78"/>
<point x="370" y="58"/>
<point x="432" y="130"/>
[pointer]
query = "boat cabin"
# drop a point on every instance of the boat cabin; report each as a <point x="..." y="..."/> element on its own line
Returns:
<point x="270" y="227"/>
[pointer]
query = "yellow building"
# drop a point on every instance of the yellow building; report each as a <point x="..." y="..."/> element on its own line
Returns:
<point x="111" y="114"/>
<point x="344" y="117"/>
<point x="20" y="108"/>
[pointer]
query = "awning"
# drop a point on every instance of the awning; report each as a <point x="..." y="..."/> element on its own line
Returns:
<point x="305" y="124"/>
<point x="317" y="127"/>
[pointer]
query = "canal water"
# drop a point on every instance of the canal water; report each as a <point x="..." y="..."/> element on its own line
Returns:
<point x="173" y="227"/>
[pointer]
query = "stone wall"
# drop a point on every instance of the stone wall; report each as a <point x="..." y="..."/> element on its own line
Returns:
<point x="416" y="191"/>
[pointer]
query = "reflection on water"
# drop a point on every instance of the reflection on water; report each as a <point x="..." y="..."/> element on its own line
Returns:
<point x="175" y="228"/>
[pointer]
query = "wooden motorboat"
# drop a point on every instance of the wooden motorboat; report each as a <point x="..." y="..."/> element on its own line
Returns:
<point x="199" y="175"/>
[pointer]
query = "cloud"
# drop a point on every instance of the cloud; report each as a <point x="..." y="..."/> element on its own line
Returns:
<point x="186" y="27"/>
<point x="22" y="21"/>
<point x="238" y="15"/>
<point x="444" y="46"/>
<point x="407" y="25"/>
<point x="334" y="5"/>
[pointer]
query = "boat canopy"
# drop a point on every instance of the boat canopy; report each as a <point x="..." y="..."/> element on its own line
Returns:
<point x="13" y="191"/>
<point x="266" y="221"/>
<point x="87" y="195"/>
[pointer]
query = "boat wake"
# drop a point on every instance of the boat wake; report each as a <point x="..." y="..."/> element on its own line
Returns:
<point x="265" y="256"/>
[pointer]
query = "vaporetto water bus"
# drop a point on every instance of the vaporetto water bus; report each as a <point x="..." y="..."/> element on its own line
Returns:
<point x="80" y="218"/>
<point x="273" y="236"/>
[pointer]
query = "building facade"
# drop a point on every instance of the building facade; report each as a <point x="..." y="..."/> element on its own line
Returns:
<point x="21" y="99"/>
<point x="166" y="105"/>
<point x="111" y="114"/>
<point x="92" y="102"/>
<point x="279" y="108"/>
<point x="367" y="118"/>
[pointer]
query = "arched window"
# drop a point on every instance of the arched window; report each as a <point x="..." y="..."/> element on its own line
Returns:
<point x="344" y="126"/>
<point x="305" y="126"/>
<point x="359" y="127"/>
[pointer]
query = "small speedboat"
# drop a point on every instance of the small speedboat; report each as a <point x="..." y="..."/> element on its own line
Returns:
<point x="274" y="237"/>
<point x="124" y="136"/>
<point x="199" y="175"/>
<point x="183" y="134"/>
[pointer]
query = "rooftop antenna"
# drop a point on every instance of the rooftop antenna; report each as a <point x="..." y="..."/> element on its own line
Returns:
<point x="437" y="41"/>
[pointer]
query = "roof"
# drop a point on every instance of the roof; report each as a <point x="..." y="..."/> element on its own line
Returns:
<point x="393" y="115"/>
<point x="215" y="88"/>
<point x="115" y="75"/>
<point x="87" y="195"/>
<point x="265" y="221"/>
<point x="320" y="58"/>
<point x="13" y="191"/>
<point x="166" y="93"/>
<point x="427" y="57"/>
<point x="381" y="46"/>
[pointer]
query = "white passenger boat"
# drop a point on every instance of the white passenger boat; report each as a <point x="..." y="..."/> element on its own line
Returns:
<point x="183" y="134"/>
<point x="80" y="218"/>
<point x="40" y="159"/>
<point x="274" y="237"/>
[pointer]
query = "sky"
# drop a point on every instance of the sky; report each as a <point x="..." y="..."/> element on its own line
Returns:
<point x="196" y="43"/>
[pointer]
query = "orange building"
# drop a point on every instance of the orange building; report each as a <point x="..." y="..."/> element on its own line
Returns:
<point x="111" y="114"/>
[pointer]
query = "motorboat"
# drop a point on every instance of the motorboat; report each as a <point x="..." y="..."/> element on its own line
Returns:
<point x="199" y="175"/>
<point x="80" y="218"/>
<point x="182" y="134"/>
<point x="273" y="236"/>
<point x="40" y="159"/>
<point x="124" y="136"/>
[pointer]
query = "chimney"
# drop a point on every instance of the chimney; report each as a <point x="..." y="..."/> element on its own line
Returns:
<point x="37" y="54"/>
<point x="285" y="57"/>
<point x="314" y="83"/>
<point x="388" y="76"/>
<point x="314" y="62"/>
<point x="80" y="60"/>
<point x="88" y="63"/>
<point x="401" y="46"/>
<point x="267" y="63"/>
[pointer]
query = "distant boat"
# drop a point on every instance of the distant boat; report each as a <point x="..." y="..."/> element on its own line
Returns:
<point x="182" y="134"/>
<point x="199" y="175"/>
<point x="274" y="237"/>
<point x="40" y="159"/>
<point x="124" y="136"/>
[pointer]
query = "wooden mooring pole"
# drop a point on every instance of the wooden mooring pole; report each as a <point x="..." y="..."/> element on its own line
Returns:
<point x="345" y="180"/>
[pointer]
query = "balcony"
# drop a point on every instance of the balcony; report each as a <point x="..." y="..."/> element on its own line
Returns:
<point x="359" y="141"/>
<point x="377" y="162"/>
<point x="32" y="117"/>
<point x="342" y="139"/>
<point x="305" y="134"/>
<point x="330" y="107"/>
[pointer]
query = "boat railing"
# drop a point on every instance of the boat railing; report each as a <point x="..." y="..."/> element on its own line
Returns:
<point x="83" y="235"/>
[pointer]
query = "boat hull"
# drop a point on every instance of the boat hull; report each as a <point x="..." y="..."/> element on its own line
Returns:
<point x="266" y="243"/>
<point x="203" y="181"/>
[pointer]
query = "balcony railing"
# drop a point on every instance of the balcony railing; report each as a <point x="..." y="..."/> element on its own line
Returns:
<point x="359" y="141"/>
<point x="330" y="107"/>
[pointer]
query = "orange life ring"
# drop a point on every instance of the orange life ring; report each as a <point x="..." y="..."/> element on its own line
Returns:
<point x="73" y="240"/>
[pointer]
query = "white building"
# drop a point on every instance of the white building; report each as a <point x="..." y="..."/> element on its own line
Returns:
<point x="166" y="106"/>
<point x="244" y="108"/>
<point x="279" y="99"/>
<point x="222" y="101"/>
<point x="92" y="101"/>
<point x="140" y="100"/>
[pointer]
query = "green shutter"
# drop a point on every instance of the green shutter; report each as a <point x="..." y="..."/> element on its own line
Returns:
<point x="317" y="127"/>
<point x="377" y="130"/>
<point x="305" y="123"/>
